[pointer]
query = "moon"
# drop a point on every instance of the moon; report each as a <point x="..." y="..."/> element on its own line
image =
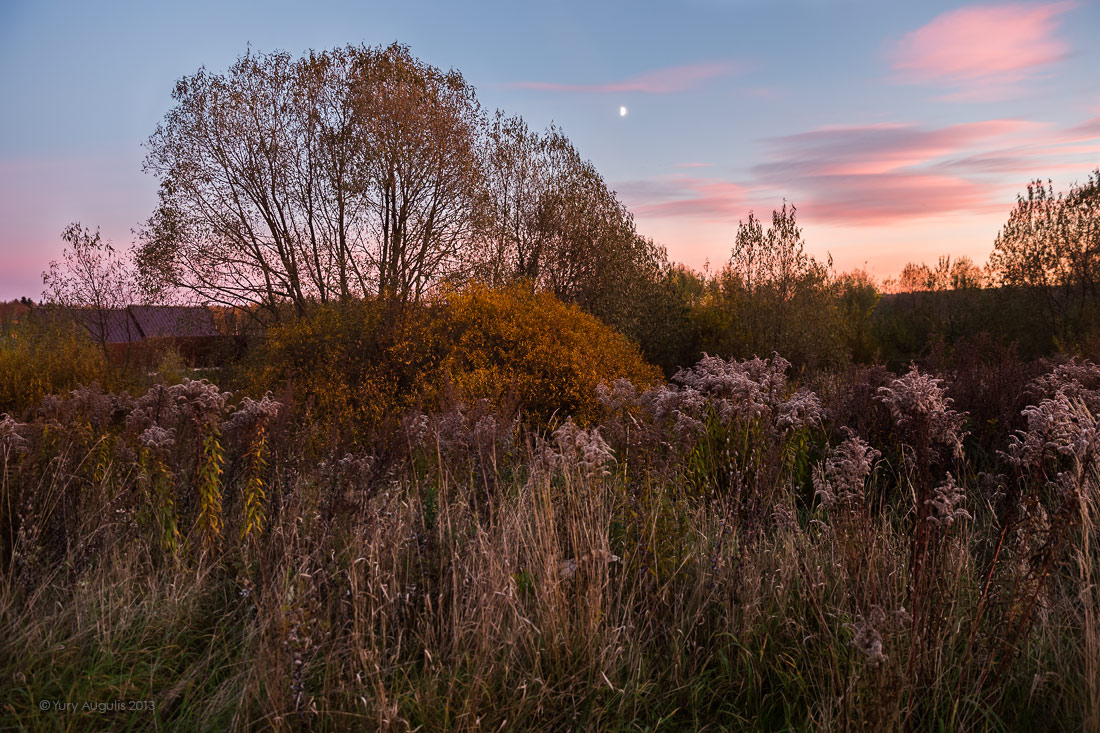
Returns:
<point x="622" y="111"/>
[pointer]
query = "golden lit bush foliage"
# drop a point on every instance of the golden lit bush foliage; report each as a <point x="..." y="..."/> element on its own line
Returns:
<point x="350" y="363"/>
<point x="548" y="355"/>
<point x="357" y="362"/>
<point x="40" y="357"/>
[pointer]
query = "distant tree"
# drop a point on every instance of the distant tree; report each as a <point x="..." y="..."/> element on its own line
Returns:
<point x="664" y="322"/>
<point x="858" y="296"/>
<point x="788" y="300"/>
<point x="1052" y="243"/>
<point x="958" y="274"/>
<point x="934" y="308"/>
<point x="719" y="318"/>
<point x="966" y="275"/>
<point x="913" y="278"/>
<point x="90" y="282"/>
<point x="775" y="258"/>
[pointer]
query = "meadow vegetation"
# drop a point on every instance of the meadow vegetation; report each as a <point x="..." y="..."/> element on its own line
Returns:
<point x="745" y="546"/>
<point x="485" y="459"/>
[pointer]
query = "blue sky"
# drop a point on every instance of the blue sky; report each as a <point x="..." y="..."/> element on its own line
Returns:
<point x="902" y="131"/>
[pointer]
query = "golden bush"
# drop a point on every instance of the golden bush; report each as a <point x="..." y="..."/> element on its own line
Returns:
<point x="349" y="364"/>
<point x="356" y="363"/>
<point x="547" y="355"/>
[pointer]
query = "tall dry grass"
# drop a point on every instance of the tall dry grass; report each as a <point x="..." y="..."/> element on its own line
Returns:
<point x="714" y="553"/>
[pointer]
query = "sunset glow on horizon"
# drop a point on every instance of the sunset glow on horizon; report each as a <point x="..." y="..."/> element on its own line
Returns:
<point x="900" y="133"/>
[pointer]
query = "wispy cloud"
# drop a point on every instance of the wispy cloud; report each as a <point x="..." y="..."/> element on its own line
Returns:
<point x="659" y="81"/>
<point x="1087" y="130"/>
<point x="982" y="52"/>
<point x="878" y="175"/>
<point x="892" y="197"/>
<point x="875" y="149"/>
<point x="762" y="92"/>
<point x="680" y="195"/>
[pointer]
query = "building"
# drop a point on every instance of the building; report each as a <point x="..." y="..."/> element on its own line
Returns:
<point x="143" y="330"/>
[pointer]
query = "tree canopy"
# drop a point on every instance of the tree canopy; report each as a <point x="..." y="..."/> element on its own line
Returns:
<point x="365" y="171"/>
<point x="1051" y="243"/>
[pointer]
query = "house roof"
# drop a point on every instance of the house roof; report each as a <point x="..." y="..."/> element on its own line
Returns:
<point x="175" y="321"/>
<point x="139" y="322"/>
<point x="114" y="326"/>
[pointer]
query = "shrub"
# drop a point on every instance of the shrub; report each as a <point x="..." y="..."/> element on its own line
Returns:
<point x="358" y="363"/>
<point x="41" y="357"/>
<point x="348" y="365"/>
<point x="547" y="355"/>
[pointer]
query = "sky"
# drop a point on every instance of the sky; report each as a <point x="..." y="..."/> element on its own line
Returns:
<point x="901" y="131"/>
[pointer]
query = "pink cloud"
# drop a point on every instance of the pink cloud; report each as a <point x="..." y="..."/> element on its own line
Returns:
<point x="870" y="175"/>
<point x="1054" y="152"/>
<point x="1087" y="130"/>
<point x="864" y="189"/>
<point x="982" y="51"/>
<point x="889" y="198"/>
<point x="660" y="81"/>
<point x="1032" y="162"/>
<point x="685" y="196"/>
<point x="1024" y="164"/>
<point x="877" y="149"/>
<point x="858" y="175"/>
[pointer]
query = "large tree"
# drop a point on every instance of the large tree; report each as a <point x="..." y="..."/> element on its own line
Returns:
<point x="550" y="218"/>
<point x="421" y="174"/>
<point x="516" y="175"/>
<point x="364" y="171"/>
<point x="340" y="174"/>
